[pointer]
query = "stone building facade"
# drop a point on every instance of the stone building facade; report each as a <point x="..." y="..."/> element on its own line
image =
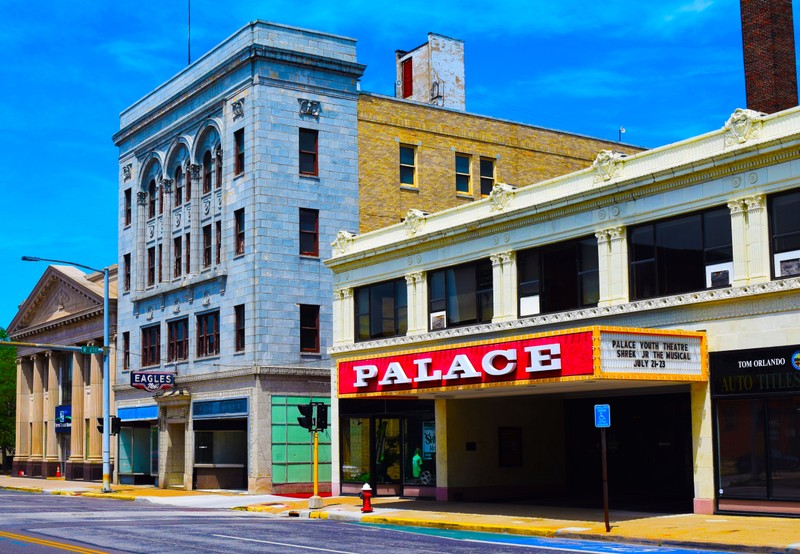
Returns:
<point x="60" y="393"/>
<point x="234" y="177"/>
<point x="665" y="285"/>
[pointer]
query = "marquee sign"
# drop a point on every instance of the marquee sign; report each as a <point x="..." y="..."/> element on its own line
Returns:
<point x="152" y="380"/>
<point x="586" y="353"/>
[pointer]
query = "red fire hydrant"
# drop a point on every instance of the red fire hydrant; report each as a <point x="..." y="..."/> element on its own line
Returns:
<point x="366" y="495"/>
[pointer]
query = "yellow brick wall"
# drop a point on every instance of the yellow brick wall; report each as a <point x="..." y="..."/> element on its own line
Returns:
<point x="524" y="155"/>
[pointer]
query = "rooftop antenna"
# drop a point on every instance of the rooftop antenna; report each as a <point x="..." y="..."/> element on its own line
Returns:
<point x="619" y="135"/>
<point x="189" y="33"/>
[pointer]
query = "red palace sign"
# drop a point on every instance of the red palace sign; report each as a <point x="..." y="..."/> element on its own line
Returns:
<point x="542" y="357"/>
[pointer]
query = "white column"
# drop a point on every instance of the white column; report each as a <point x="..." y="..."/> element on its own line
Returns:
<point x="604" y="267"/>
<point x="52" y="400"/>
<point x="76" y="439"/>
<point x="738" y="211"/>
<point x="166" y="233"/>
<point x="139" y="269"/>
<point x="504" y="285"/>
<point x="758" y="239"/>
<point x="417" y="296"/>
<point x="196" y="246"/>
<point x="618" y="243"/>
<point x="343" y="322"/>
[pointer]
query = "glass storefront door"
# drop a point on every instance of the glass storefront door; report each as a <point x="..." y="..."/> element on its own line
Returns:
<point x="388" y="461"/>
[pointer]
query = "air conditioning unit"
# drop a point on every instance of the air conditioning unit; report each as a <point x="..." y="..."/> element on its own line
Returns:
<point x="438" y="320"/>
<point x="529" y="305"/>
<point x="719" y="275"/>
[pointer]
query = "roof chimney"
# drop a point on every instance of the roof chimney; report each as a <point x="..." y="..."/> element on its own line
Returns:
<point x="769" y="57"/>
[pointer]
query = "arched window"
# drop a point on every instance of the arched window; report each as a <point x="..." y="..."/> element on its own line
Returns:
<point x="178" y="186"/>
<point x="151" y="190"/>
<point x="218" y="168"/>
<point x="207" y="170"/>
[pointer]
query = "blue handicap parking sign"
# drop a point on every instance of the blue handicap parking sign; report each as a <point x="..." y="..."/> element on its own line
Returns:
<point x="602" y="416"/>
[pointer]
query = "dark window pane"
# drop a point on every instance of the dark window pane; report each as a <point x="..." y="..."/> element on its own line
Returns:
<point x="680" y="257"/>
<point x="406" y="155"/>
<point x="742" y="459"/>
<point x="784" y="448"/>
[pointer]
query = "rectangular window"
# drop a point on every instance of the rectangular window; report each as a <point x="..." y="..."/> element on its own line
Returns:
<point x="151" y="345"/>
<point x="408" y="77"/>
<point x="239" y="325"/>
<point x="160" y="263"/>
<point x="178" y="340"/>
<point x="408" y="169"/>
<point x="207" y="246"/>
<point x="151" y="266"/>
<point x="558" y="277"/>
<point x="127" y="207"/>
<point x="126" y="352"/>
<point x="238" y="140"/>
<point x="151" y="203"/>
<point x="218" y="232"/>
<point x="188" y="184"/>
<point x="785" y="234"/>
<point x="218" y="169"/>
<point x="308" y="152"/>
<point x="682" y="254"/>
<point x="177" y="249"/>
<point x="65" y="378"/>
<point x="208" y="334"/>
<point x="126" y="272"/>
<point x="188" y="253"/>
<point x="381" y="310"/>
<point x="463" y="176"/>
<point x="309" y="232"/>
<point x="487" y="176"/>
<point x="208" y="171"/>
<point x="238" y="218"/>
<point x="461" y="295"/>
<point x="178" y="186"/>
<point x="309" y="328"/>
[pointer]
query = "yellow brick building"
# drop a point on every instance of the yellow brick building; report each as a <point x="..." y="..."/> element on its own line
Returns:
<point x="449" y="156"/>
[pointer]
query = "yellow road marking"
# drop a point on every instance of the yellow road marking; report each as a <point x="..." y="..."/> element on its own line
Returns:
<point x="52" y="544"/>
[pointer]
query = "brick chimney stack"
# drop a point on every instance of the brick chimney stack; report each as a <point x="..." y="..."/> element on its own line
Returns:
<point x="769" y="56"/>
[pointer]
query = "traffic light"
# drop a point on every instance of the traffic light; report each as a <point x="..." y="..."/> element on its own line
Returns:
<point x="116" y="423"/>
<point x="322" y="417"/>
<point x="306" y="420"/>
<point x="100" y="424"/>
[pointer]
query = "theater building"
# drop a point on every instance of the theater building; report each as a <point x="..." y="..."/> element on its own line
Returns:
<point x="472" y="344"/>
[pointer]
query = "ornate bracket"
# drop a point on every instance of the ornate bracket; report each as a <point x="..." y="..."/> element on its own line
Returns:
<point x="166" y="186"/>
<point x="415" y="221"/>
<point x="742" y="125"/>
<point x="126" y="172"/>
<point x="344" y="240"/>
<point x="141" y="198"/>
<point x="501" y="196"/>
<point x="309" y="107"/>
<point x="238" y="108"/>
<point x="607" y="165"/>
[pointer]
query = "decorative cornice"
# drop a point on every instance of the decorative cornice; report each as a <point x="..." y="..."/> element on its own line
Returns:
<point x="743" y="125"/>
<point x="704" y="298"/>
<point x="608" y="165"/>
<point x="344" y="240"/>
<point x="501" y="196"/>
<point x="414" y="221"/>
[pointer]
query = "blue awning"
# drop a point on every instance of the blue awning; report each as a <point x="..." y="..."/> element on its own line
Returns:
<point x="138" y="413"/>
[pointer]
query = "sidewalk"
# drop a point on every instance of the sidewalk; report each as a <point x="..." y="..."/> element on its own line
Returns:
<point x="722" y="532"/>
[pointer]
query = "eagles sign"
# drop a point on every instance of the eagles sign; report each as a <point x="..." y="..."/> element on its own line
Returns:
<point x="152" y="380"/>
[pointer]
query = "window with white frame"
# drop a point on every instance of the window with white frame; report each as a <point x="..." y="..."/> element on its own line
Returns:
<point x="460" y="295"/>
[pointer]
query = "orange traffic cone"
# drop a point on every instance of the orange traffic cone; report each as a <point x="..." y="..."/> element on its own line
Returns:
<point x="58" y="470"/>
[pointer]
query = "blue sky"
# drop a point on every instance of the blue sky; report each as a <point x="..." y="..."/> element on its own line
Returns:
<point x="665" y="70"/>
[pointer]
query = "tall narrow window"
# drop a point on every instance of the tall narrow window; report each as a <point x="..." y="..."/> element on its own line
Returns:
<point x="178" y="340"/>
<point x="309" y="328"/>
<point x="126" y="353"/>
<point x="127" y="207"/>
<point x="218" y="169"/>
<point x="207" y="246"/>
<point x="238" y="218"/>
<point x="126" y="272"/>
<point x="160" y="263"/>
<point x="308" y="152"/>
<point x="208" y="170"/>
<point x="238" y="141"/>
<point x="178" y="186"/>
<point x="208" y="334"/>
<point x="177" y="249"/>
<point x="463" y="182"/>
<point x="785" y="234"/>
<point x="151" y="266"/>
<point x="151" y="345"/>
<point x="408" y="79"/>
<point x="188" y="184"/>
<point x="487" y="176"/>
<point x="218" y="242"/>
<point x="309" y="232"/>
<point x="161" y="199"/>
<point x="408" y="168"/>
<point x="239" y="326"/>
<point x="151" y="204"/>
<point x="188" y="253"/>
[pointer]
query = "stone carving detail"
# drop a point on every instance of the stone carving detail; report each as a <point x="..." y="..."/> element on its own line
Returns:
<point x="607" y="165"/>
<point x="742" y="125"/>
<point x="206" y="206"/>
<point x="415" y="221"/>
<point x="176" y="306"/>
<point x="206" y="299"/>
<point x="238" y="108"/>
<point x="141" y="198"/>
<point x="755" y="202"/>
<point x="150" y="315"/>
<point x="309" y="107"/>
<point x="151" y="230"/>
<point x="177" y="219"/>
<point x="501" y="196"/>
<point x="736" y="206"/>
<point x="166" y="186"/>
<point x="62" y="300"/>
<point x="343" y="242"/>
<point x="194" y="170"/>
<point x="126" y="172"/>
<point x="501" y="258"/>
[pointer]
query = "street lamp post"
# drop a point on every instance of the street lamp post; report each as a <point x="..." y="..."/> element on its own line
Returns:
<point x="106" y="369"/>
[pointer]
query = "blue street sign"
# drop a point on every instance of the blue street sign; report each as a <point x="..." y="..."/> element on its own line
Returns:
<point x="602" y="416"/>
